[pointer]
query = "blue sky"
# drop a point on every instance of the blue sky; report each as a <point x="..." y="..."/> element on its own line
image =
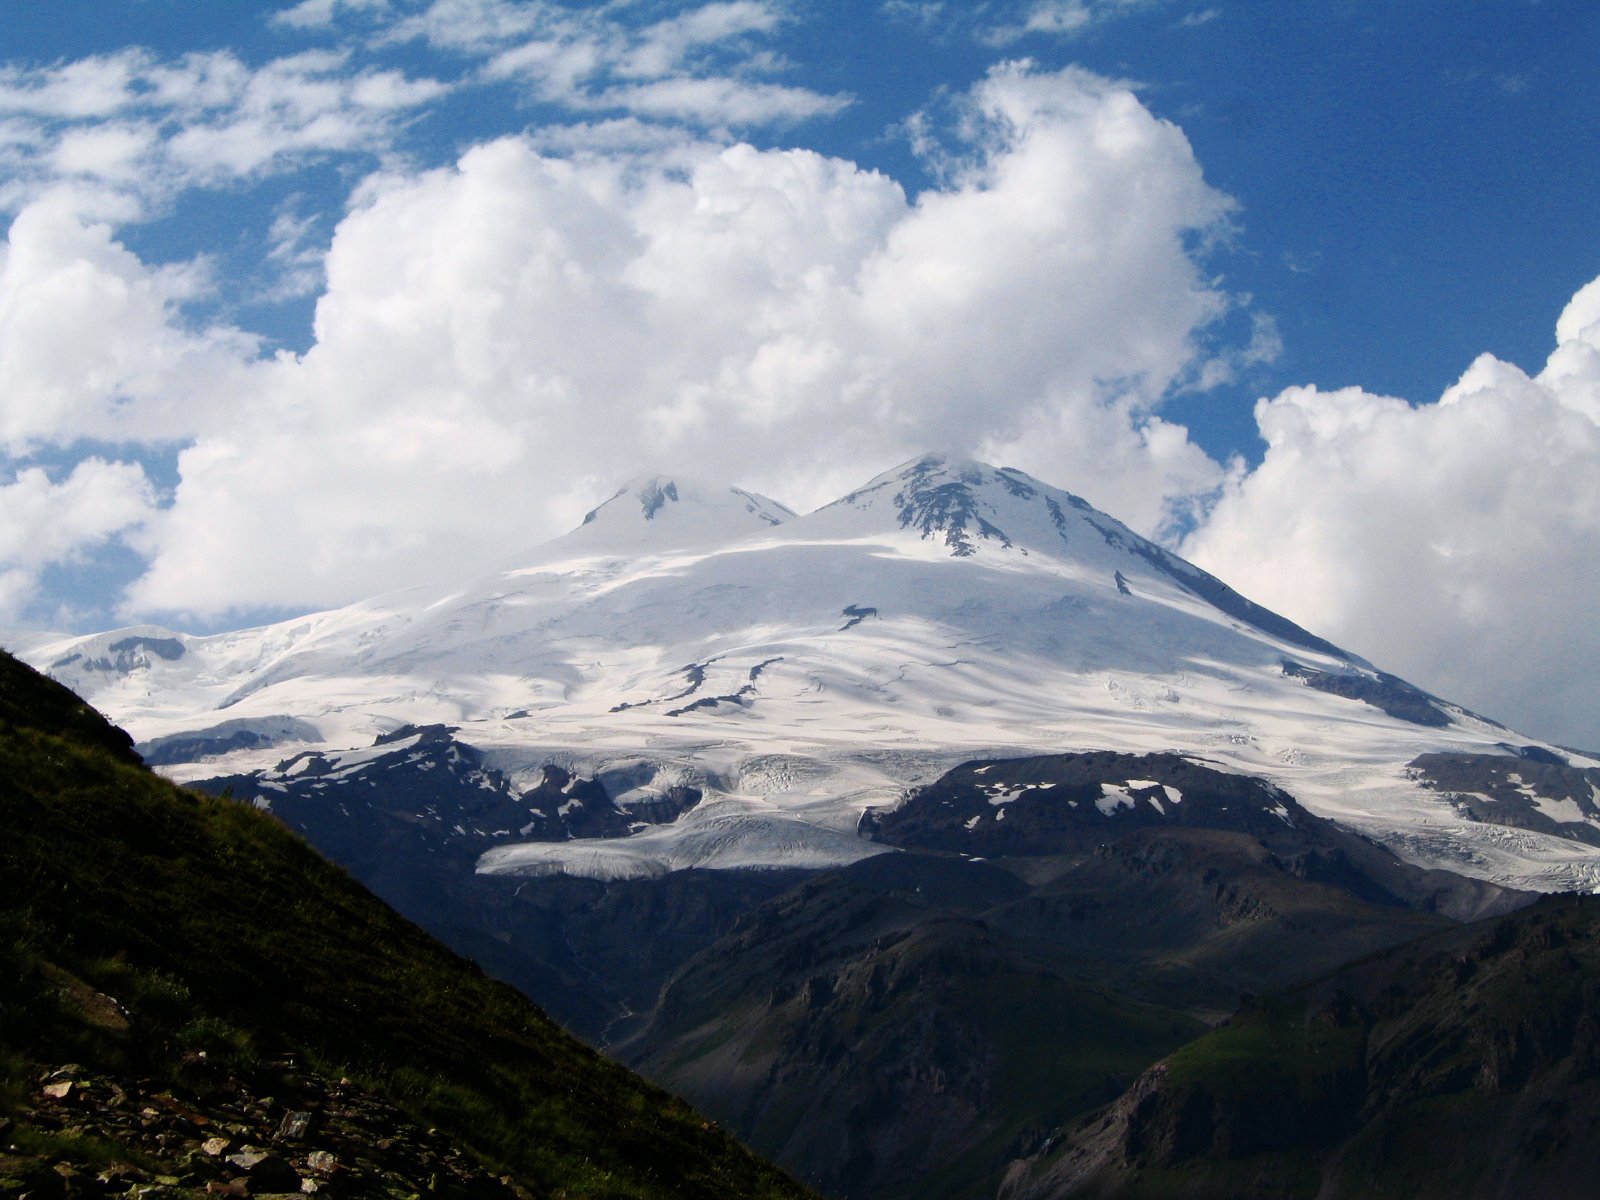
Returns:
<point x="302" y="303"/>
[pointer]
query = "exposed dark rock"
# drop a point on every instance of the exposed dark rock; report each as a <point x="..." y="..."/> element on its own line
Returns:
<point x="655" y="496"/>
<point x="1069" y="803"/>
<point x="947" y="508"/>
<point x="738" y="699"/>
<point x="243" y="734"/>
<point x="1387" y="693"/>
<point x="162" y="1146"/>
<point x="856" y="614"/>
<point x="1534" y="790"/>
<point x="694" y="675"/>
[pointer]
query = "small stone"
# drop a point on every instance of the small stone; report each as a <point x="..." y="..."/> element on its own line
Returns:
<point x="59" y="1091"/>
<point x="310" y="1187"/>
<point x="212" y="1147"/>
<point x="322" y="1162"/>
<point x="268" y="1172"/>
<point x="294" y="1125"/>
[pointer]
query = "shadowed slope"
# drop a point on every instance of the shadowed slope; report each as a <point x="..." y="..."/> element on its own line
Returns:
<point x="215" y="929"/>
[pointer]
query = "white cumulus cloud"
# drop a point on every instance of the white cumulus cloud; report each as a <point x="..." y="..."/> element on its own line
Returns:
<point x="148" y="128"/>
<point x="1455" y="543"/>
<point x="96" y="501"/>
<point x="92" y="340"/>
<point x="501" y="341"/>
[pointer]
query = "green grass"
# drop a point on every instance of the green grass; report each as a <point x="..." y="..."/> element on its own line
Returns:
<point x="215" y="928"/>
<point x="81" y="1150"/>
<point x="1272" y="1044"/>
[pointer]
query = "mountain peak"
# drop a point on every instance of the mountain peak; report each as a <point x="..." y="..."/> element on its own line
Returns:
<point x="963" y="502"/>
<point x="659" y="511"/>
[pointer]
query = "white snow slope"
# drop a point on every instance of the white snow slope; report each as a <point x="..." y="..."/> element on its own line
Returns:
<point x="803" y="669"/>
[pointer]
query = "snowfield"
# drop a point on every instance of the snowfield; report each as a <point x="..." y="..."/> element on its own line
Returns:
<point x="800" y="670"/>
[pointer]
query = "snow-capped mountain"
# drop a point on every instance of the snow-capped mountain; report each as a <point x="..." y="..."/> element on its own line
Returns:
<point x="795" y="672"/>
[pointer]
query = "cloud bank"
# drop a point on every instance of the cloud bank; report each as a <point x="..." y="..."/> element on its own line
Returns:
<point x="1455" y="543"/>
<point x="633" y="286"/>
<point x="500" y="339"/>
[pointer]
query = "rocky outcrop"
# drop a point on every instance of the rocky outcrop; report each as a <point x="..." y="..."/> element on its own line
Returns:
<point x="285" y="1130"/>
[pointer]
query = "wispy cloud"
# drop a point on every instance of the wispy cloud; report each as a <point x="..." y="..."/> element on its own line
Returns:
<point x="1054" y="18"/>
<point x="146" y="127"/>
<point x="708" y="66"/>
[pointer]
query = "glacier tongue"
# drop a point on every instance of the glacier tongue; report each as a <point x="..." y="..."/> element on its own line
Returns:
<point x="806" y="669"/>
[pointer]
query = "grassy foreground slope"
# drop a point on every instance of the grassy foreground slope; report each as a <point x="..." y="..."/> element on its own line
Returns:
<point x="213" y="929"/>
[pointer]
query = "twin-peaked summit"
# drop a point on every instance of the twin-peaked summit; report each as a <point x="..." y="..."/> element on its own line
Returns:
<point x="794" y="671"/>
<point x="946" y="500"/>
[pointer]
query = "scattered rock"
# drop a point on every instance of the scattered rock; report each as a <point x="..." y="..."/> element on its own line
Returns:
<point x="329" y="1137"/>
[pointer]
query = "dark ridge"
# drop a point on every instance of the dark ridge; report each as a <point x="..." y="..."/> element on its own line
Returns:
<point x="1494" y="789"/>
<point x="1387" y="693"/>
<point x="595" y="512"/>
<point x="1019" y="488"/>
<point x="430" y="734"/>
<point x="1208" y="587"/>
<point x="1536" y="754"/>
